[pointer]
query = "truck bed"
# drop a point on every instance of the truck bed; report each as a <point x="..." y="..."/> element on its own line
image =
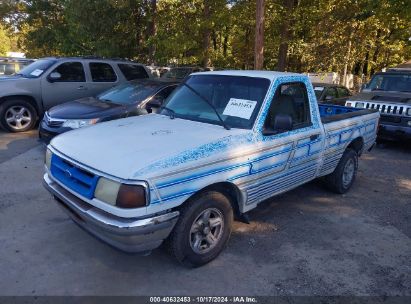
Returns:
<point x="332" y="113"/>
<point x="342" y="125"/>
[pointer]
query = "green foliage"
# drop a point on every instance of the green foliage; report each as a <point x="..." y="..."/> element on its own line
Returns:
<point x="323" y="35"/>
<point x="5" y="44"/>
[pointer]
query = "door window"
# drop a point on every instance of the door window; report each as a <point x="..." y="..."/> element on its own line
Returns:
<point x="133" y="71"/>
<point x="290" y="100"/>
<point x="166" y="91"/>
<point x="331" y="92"/>
<point x="102" y="72"/>
<point x="343" y="92"/>
<point x="70" y="72"/>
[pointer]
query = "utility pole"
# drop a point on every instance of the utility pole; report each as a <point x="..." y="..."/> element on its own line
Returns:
<point x="259" y="36"/>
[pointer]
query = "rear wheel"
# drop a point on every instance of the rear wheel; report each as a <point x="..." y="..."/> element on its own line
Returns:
<point x="202" y="230"/>
<point x="17" y="115"/>
<point x="341" y="180"/>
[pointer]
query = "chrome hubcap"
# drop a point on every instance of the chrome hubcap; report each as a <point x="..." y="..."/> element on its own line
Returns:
<point x="348" y="172"/>
<point x="18" y="117"/>
<point x="207" y="230"/>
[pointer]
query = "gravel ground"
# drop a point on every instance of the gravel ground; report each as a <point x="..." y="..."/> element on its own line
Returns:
<point x="305" y="242"/>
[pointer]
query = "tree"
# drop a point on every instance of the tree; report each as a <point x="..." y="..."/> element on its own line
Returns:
<point x="360" y="36"/>
<point x="259" y="36"/>
<point x="5" y="43"/>
<point x="285" y="35"/>
<point x="152" y="30"/>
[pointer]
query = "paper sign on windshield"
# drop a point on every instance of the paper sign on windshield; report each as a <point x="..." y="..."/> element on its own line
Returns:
<point x="36" y="72"/>
<point x="242" y="108"/>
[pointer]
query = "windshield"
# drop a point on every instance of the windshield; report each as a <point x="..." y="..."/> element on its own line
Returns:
<point x="129" y="93"/>
<point x="178" y="73"/>
<point x="391" y="82"/>
<point x="37" y="68"/>
<point x="318" y="91"/>
<point x="237" y="99"/>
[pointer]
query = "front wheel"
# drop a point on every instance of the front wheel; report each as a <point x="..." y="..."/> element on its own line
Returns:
<point x="202" y="230"/>
<point x="341" y="180"/>
<point x="17" y="115"/>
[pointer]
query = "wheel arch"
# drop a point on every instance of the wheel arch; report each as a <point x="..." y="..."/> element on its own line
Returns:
<point x="230" y="190"/>
<point x="27" y="98"/>
<point x="357" y="145"/>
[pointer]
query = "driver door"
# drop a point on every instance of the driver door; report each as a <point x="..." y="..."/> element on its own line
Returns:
<point x="292" y="149"/>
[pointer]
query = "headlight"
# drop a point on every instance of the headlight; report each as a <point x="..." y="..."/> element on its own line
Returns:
<point x="79" y="123"/>
<point x="47" y="159"/>
<point x="409" y="111"/>
<point x="359" y="105"/>
<point x="120" y="195"/>
<point x="107" y="190"/>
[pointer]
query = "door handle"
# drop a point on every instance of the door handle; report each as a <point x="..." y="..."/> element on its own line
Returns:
<point x="82" y="88"/>
<point x="314" y="137"/>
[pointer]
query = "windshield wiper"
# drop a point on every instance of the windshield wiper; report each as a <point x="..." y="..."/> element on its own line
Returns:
<point x="172" y="113"/>
<point x="209" y="103"/>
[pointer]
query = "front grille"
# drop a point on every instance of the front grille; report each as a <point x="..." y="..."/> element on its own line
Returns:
<point x="75" y="178"/>
<point x="389" y="109"/>
<point x="390" y="118"/>
<point x="51" y="122"/>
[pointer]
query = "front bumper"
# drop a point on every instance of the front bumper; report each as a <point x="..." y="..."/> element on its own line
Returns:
<point x="393" y="132"/>
<point x="46" y="133"/>
<point x="127" y="234"/>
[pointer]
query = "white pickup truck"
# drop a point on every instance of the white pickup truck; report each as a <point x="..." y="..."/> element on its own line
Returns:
<point x="224" y="142"/>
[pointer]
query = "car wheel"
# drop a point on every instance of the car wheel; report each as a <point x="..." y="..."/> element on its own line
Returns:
<point x="17" y="115"/>
<point x="341" y="180"/>
<point x="202" y="230"/>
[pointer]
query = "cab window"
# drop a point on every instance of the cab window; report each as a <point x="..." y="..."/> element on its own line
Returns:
<point x="70" y="72"/>
<point x="290" y="103"/>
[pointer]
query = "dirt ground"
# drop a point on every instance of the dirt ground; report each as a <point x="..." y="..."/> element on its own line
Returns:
<point x="306" y="242"/>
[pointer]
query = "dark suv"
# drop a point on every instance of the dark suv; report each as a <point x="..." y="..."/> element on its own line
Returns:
<point x="390" y="93"/>
<point x="27" y="94"/>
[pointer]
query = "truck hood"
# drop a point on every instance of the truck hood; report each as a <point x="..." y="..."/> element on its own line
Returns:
<point x="12" y="78"/>
<point x="383" y="97"/>
<point x="144" y="146"/>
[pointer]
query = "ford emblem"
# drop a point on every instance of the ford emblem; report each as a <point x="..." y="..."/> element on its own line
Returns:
<point x="68" y="173"/>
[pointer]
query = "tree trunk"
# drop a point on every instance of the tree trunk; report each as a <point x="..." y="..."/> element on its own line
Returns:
<point x="152" y="30"/>
<point x="259" y="36"/>
<point x="225" y="42"/>
<point x="365" y="67"/>
<point x="206" y="35"/>
<point x="347" y="60"/>
<point x="285" y="34"/>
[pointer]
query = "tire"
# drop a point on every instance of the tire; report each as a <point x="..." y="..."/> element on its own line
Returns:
<point x="341" y="180"/>
<point x="17" y="115"/>
<point x="190" y="241"/>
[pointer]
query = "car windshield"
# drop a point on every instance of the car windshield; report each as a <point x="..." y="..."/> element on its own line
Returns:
<point x="177" y="73"/>
<point x="128" y="93"/>
<point x="37" y="68"/>
<point x="391" y="82"/>
<point x="318" y="91"/>
<point x="237" y="99"/>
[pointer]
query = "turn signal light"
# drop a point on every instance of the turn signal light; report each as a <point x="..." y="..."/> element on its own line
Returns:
<point x="131" y="196"/>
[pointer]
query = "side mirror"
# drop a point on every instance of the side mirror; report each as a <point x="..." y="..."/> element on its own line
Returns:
<point x="154" y="104"/>
<point x="364" y="86"/>
<point x="281" y="123"/>
<point x="328" y="98"/>
<point x="55" y="76"/>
